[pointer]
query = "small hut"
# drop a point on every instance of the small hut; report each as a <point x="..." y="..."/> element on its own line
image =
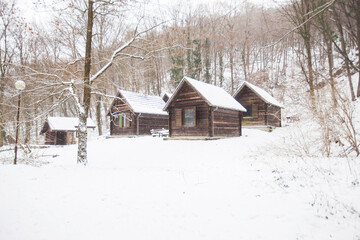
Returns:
<point x="136" y="114"/>
<point x="262" y="108"/>
<point x="203" y="110"/>
<point x="61" y="130"/>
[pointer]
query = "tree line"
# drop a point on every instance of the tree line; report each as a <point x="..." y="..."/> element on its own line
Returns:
<point x="75" y="64"/>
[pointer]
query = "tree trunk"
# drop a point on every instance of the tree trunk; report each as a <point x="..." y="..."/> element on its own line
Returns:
<point x="221" y="65"/>
<point x="358" y="42"/>
<point x="307" y="40"/>
<point x="344" y="53"/>
<point x="243" y="58"/>
<point x="84" y="109"/>
<point x="331" y="66"/>
<point x="2" y="121"/>
<point x="98" y="115"/>
<point x="215" y="66"/>
<point x="232" y="70"/>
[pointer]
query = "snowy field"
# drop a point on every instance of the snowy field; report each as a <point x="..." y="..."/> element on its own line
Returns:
<point x="251" y="187"/>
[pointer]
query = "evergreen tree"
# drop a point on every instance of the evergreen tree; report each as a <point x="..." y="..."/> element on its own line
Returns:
<point x="196" y="56"/>
<point x="207" y="60"/>
<point x="177" y="71"/>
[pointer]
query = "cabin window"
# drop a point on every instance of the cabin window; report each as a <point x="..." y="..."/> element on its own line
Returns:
<point x="120" y="121"/>
<point x="189" y="116"/>
<point x="178" y="117"/>
<point x="128" y="122"/>
<point x="251" y="111"/>
<point x="248" y="112"/>
<point x="124" y="121"/>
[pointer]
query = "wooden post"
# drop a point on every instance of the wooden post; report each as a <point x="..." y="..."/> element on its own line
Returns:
<point x="169" y="123"/>
<point x="211" y="123"/>
<point x="240" y="122"/>
<point x="17" y="128"/>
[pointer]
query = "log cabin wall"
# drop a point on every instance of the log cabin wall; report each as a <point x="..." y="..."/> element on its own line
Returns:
<point x="273" y="115"/>
<point x="151" y="121"/>
<point x="50" y="138"/>
<point x="128" y="129"/>
<point x="188" y="98"/>
<point x="255" y="105"/>
<point x="227" y="123"/>
<point x="60" y="137"/>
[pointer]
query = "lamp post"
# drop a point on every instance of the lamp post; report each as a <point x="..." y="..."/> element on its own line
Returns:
<point x="19" y="85"/>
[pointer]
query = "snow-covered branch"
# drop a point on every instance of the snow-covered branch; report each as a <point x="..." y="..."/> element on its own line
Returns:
<point x="119" y="50"/>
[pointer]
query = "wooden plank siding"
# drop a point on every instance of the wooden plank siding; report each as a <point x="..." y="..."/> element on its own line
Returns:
<point x="248" y="98"/>
<point x="227" y="122"/>
<point x="273" y="115"/>
<point x="60" y="137"/>
<point x="146" y="121"/>
<point x="129" y="130"/>
<point x="266" y="114"/>
<point x="187" y="97"/>
<point x="151" y="121"/>
<point x="208" y="123"/>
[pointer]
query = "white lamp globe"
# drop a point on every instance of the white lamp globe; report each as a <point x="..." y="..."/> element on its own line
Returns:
<point x="20" y="85"/>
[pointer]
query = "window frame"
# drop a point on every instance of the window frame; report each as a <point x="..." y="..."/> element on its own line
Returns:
<point x="124" y="121"/>
<point x="193" y="124"/>
<point x="248" y="113"/>
<point x="252" y="111"/>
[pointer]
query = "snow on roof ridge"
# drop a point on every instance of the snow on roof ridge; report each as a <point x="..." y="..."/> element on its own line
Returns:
<point x="143" y="103"/>
<point x="214" y="95"/>
<point x="67" y="123"/>
<point x="261" y="93"/>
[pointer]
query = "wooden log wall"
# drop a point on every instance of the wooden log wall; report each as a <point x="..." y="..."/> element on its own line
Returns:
<point x="273" y="115"/>
<point x="227" y="123"/>
<point x="50" y="138"/>
<point x="151" y="121"/>
<point x="146" y="121"/>
<point x="128" y="131"/>
<point x="187" y="97"/>
<point x="247" y="97"/>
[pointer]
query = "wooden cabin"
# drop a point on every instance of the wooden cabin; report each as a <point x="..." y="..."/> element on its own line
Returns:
<point x="136" y="114"/>
<point x="262" y="108"/>
<point x="62" y="130"/>
<point x="199" y="109"/>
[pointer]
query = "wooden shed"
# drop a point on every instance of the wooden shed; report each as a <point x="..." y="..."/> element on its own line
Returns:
<point x="62" y="130"/>
<point x="200" y="109"/>
<point x="262" y="108"/>
<point x="136" y="114"/>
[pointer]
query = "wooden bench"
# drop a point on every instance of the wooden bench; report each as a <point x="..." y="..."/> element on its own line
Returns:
<point x="159" y="132"/>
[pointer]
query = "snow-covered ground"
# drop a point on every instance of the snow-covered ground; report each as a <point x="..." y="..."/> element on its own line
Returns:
<point x="250" y="187"/>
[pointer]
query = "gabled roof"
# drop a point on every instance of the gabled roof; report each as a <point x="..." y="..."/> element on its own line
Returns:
<point x="141" y="103"/>
<point x="266" y="97"/>
<point x="69" y="124"/>
<point x="213" y="95"/>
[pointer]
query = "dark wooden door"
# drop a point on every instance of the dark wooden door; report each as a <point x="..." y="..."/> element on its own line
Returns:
<point x="61" y="138"/>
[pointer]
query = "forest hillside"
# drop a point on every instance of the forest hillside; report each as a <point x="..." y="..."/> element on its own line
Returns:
<point x="305" y="53"/>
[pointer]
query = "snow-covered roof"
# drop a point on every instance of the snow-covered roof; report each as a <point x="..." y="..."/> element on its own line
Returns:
<point x="141" y="103"/>
<point x="67" y="123"/>
<point x="265" y="96"/>
<point x="213" y="95"/>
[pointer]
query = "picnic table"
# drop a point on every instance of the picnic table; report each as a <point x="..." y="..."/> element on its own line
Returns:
<point x="159" y="132"/>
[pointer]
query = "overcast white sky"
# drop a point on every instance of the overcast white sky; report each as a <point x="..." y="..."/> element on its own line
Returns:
<point x="154" y="7"/>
